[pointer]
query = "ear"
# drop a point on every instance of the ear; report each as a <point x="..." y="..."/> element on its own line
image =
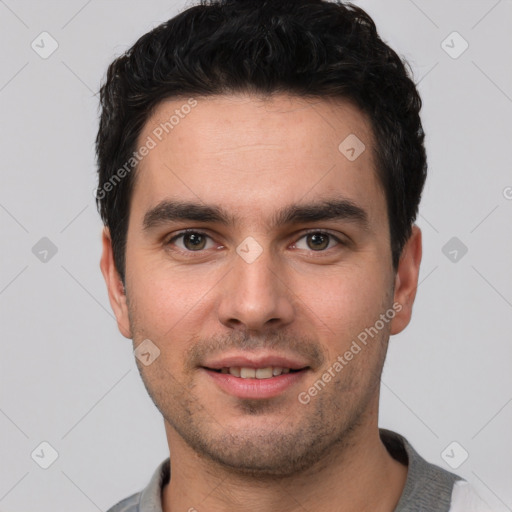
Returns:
<point x="406" y="280"/>
<point x="115" y="287"/>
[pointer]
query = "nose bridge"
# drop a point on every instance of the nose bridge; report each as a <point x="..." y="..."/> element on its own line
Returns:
<point x="254" y="294"/>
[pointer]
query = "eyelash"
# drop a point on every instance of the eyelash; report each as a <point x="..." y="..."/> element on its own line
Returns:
<point x="181" y="234"/>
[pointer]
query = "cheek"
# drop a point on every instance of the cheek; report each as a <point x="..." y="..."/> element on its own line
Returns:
<point x="343" y="302"/>
<point x="171" y="305"/>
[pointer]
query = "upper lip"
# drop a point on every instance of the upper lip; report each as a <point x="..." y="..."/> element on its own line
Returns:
<point x="255" y="361"/>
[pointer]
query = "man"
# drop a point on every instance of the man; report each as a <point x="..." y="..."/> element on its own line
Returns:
<point x="260" y="170"/>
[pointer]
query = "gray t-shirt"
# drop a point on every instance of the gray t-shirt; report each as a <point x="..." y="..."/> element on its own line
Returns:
<point x="428" y="488"/>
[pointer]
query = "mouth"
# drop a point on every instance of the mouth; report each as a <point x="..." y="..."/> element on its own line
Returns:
<point x="255" y="382"/>
<point x="245" y="372"/>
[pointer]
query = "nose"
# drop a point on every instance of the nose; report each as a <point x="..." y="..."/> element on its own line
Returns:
<point x="254" y="297"/>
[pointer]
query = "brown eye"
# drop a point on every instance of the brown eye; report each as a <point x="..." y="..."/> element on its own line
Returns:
<point x="194" y="241"/>
<point x="191" y="241"/>
<point x="317" y="241"/>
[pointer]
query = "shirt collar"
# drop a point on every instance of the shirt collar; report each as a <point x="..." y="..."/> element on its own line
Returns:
<point x="397" y="445"/>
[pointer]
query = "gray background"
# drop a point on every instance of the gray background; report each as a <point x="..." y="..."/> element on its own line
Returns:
<point x="69" y="378"/>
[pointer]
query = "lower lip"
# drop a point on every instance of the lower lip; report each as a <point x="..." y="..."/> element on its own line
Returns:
<point x="255" y="388"/>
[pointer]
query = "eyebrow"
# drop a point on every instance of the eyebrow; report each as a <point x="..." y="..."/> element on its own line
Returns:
<point x="333" y="209"/>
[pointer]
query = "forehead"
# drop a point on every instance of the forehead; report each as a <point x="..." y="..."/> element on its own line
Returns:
<point x="255" y="154"/>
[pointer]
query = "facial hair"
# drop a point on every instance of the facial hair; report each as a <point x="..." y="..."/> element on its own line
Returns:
<point x="254" y="448"/>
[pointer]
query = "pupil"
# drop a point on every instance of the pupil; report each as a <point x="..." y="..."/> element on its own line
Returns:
<point x="194" y="241"/>
<point x="319" y="241"/>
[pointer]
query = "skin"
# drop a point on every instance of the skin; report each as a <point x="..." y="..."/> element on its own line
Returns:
<point x="252" y="156"/>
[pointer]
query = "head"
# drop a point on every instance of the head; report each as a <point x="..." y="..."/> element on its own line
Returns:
<point x="286" y="138"/>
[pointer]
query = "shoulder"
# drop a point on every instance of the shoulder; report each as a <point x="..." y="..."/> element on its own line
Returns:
<point x="149" y="499"/>
<point x="465" y="499"/>
<point x="130" y="504"/>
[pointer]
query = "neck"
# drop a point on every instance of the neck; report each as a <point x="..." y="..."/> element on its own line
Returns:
<point x="359" y="477"/>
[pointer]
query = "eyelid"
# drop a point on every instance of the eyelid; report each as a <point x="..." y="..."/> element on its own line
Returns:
<point x="183" y="232"/>
<point x="322" y="231"/>
<point x="177" y="234"/>
<point x="297" y="236"/>
<point x="339" y="240"/>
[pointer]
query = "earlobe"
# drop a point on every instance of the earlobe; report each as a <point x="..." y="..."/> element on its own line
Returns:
<point x="406" y="280"/>
<point x="115" y="287"/>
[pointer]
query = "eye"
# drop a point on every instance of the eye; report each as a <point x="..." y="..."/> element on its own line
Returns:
<point x="317" y="241"/>
<point x="191" y="241"/>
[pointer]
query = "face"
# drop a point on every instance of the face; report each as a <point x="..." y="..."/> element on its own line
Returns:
<point x="258" y="252"/>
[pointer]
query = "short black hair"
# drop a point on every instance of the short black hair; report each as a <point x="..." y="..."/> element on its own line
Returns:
<point x="308" y="48"/>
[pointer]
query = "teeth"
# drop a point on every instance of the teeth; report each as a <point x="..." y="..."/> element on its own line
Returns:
<point x="255" y="373"/>
<point x="235" y="371"/>
<point x="247" y="373"/>
<point x="264" y="373"/>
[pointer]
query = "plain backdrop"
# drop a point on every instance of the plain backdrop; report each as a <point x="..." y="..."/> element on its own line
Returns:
<point x="68" y="378"/>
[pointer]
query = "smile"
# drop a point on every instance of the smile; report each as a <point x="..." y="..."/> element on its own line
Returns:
<point x="255" y="383"/>
<point x="255" y="373"/>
